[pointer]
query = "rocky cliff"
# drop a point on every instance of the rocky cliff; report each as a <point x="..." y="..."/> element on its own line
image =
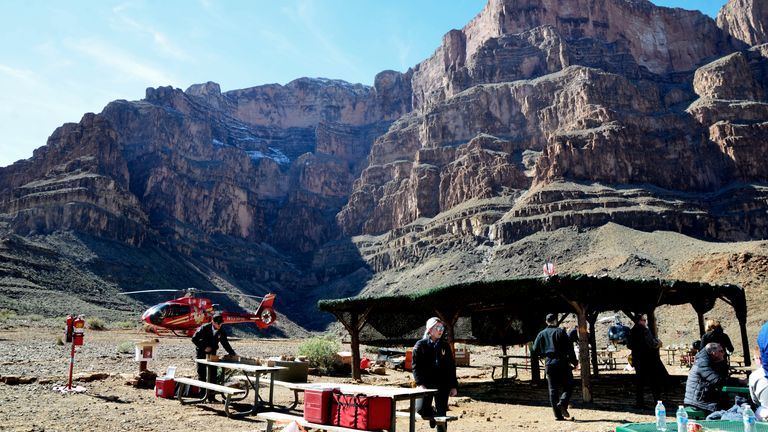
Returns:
<point x="538" y="120"/>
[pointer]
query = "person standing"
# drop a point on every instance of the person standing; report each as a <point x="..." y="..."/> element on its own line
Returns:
<point x="206" y="339"/>
<point x="434" y="367"/>
<point x="715" y="333"/>
<point x="646" y="361"/>
<point x="553" y="344"/>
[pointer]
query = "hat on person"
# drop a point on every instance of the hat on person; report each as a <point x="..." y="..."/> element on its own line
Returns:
<point x="762" y="343"/>
<point x="431" y="323"/>
<point x="551" y="318"/>
<point x="218" y="318"/>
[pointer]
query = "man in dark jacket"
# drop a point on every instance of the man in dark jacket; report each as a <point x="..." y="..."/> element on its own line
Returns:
<point x="707" y="376"/>
<point x="207" y="339"/>
<point x="646" y="360"/>
<point x="434" y="367"/>
<point x="553" y="344"/>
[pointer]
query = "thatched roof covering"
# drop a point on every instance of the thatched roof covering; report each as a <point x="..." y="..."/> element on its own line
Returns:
<point x="512" y="310"/>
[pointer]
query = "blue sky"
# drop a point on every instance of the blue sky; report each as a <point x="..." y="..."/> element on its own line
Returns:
<point x="61" y="59"/>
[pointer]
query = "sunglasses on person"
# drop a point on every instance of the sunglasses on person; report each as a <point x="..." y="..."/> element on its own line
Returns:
<point x="439" y="327"/>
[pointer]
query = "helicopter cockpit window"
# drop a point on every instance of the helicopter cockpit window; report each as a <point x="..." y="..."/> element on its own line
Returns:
<point x="158" y="313"/>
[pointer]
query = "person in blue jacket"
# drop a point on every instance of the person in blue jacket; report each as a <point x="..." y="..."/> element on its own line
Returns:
<point x="434" y="367"/>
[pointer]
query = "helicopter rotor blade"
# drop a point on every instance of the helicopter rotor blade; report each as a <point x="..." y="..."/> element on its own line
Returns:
<point x="148" y="291"/>
<point x="231" y="294"/>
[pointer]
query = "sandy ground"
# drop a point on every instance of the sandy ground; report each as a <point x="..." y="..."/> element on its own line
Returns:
<point x="111" y="405"/>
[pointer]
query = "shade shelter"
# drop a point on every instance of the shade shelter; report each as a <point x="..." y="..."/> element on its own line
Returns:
<point x="511" y="311"/>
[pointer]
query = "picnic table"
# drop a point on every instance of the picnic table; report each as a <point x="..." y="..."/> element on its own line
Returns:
<point x="706" y="426"/>
<point x="395" y="394"/>
<point x="252" y="374"/>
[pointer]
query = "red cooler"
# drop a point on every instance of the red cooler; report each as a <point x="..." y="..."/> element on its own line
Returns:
<point x="317" y="405"/>
<point x="165" y="388"/>
<point x="358" y="411"/>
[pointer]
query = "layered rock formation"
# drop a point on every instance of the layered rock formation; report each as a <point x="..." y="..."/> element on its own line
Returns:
<point x="538" y="116"/>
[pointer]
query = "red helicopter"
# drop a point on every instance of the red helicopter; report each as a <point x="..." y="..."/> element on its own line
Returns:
<point x="185" y="314"/>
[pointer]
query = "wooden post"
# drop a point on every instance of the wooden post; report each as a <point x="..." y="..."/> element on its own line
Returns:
<point x="355" y="346"/>
<point x="354" y="326"/>
<point x="591" y="319"/>
<point x="586" y="383"/>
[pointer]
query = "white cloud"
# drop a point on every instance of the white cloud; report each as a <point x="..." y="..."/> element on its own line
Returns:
<point x="122" y="62"/>
<point x="162" y="42"/>
<point x="20" y="74"/>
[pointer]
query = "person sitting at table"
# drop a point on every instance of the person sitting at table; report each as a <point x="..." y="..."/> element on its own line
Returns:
<point x="646" y="360"/>
<point x="758" y="379"/>
<point x="714" y="333"/>
<point x="434" y="367"/>
<point x="206" y="339"/>
<point x="707" y="376"/>
<point x="553" y="344"/>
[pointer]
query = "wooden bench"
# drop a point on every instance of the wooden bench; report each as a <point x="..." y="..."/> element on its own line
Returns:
<point x="277" y="417"/>
<point x="439" y="420"/>
<point x="695" y="413"/>
<point x="513" y="366"/>
<point x="227" y="392"/>
<point x="295" y="387"/>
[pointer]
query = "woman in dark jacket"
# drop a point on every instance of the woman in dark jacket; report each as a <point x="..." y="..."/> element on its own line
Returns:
<point x="434" y="368"/>
<point x="649" y="370"/>
<point x="716" y="334"/>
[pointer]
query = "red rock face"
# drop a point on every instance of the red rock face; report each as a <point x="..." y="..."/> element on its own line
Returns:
<point x="537" y="115"/>
<point x="746" y="20"/>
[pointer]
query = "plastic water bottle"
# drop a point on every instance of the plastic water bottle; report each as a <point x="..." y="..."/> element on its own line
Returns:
<point x="749" y="418"/>
<point x="661" y="417"/>
<point x="682" y="419"/>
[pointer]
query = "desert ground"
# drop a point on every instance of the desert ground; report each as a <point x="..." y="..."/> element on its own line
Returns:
<point x="109" y="404"/>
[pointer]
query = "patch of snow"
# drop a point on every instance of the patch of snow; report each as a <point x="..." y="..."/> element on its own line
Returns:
<point x="273" y="153"/>
<point x="217" y="143"/>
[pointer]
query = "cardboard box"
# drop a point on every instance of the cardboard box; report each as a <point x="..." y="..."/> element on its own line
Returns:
<point x="462" y="357"/>
<point x="295" y="371"/>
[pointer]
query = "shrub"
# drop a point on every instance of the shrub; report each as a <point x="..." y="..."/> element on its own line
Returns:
<point x="125" y="347"/>
<point x="95" y="324"/>
<point x="125" y="325"/>
<point x="321" y="352"/>
<point x="6" y="314"/>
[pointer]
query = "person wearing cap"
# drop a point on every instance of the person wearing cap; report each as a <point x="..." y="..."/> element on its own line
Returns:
<point x="434" y="367"/>
<point x="206" y="339"/>
<point x="553" y="344"/>
<point x="758" y="379"/>
<point x="646" y="360"/>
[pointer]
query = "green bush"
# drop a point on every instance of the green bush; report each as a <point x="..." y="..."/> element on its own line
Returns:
<point x="95" y="324"/>
<point x="6" y="314"/>
<point x="321" y="353"/>
<point x="125" y="325"/>
<point x="125" y="347"/>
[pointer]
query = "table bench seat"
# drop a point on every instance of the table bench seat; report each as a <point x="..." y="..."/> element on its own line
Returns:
<point x="513" y="366"/>
<point x="278" y="417"/>
<point x="440" y="420"/>
<point x="295" y="387"/>
<point x="227" y="392"/>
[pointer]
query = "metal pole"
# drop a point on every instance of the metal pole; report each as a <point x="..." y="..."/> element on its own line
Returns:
<point x="71" y="365"/>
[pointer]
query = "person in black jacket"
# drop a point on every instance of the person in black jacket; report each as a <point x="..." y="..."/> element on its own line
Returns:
<point x="434" y="367"/>
<point x="554" y="344"/>
<point x="206" y="339"/>
<point x="707" y="376"/>
<point x="646" y="360"/>
<point x="716" y="334"/>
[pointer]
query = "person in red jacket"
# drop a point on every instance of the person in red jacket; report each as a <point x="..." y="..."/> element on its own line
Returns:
<point x="434" y="367"/>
